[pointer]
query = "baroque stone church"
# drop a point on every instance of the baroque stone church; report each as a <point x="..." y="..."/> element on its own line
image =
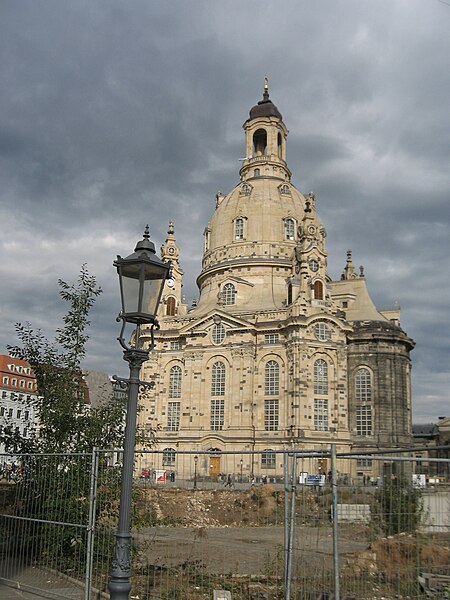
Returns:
<point x="275" y="354"/>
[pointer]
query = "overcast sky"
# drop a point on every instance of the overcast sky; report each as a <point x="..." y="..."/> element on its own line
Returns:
<point x="118" y="113"/>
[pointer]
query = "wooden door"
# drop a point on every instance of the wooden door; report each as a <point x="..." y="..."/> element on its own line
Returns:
<point x="214" y="466"/>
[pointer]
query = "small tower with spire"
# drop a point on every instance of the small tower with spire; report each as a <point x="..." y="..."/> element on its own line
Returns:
<point x="265" y="141"/>
<point x="173" y="303"/>
<point x="310" y="256"/>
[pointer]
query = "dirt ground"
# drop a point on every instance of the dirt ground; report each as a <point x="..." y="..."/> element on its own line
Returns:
<point x="241" y="550"/>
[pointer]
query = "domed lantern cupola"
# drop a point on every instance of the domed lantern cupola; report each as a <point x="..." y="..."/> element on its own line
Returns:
<point x="265" y="141"/>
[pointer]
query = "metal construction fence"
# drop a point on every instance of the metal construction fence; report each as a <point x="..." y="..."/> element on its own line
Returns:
<point x="294" y="524"/>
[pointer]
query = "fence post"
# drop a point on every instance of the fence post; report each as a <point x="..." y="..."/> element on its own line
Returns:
<point x="286" y="515"/>
<point x="335" y="522"/>
<point x="91" y="523"/>
<point x="291" y="527"/>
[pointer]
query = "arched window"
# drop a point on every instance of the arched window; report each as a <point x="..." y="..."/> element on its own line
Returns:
<point x="218" y="333"/>
<point x="318" y="290"/>
<point x="239" y="228"/>
<point x="218" y="379"/>
<point x="363" y="385"/>
<point x="229" y="293"/>
<point x="289" y="229"/>
<point x="289" y="293"/>
<point x="175" y="382"/>
<point x="256" y="173"/>
<point x="320" y="377"/>
<point x="170" y="306"/>
<point x="260" y="142"/>
<point x="272" y="378"/>
<point x="168" y="458"/>
<point x="206" y="239"/>
<point x="280" y="145"/>
<point x="363" y="396"/>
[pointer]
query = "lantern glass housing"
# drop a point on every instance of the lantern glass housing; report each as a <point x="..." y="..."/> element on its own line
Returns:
<point x="141" y="277"/>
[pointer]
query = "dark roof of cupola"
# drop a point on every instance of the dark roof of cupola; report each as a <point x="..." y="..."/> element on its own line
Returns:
<point x="265" y="108"/>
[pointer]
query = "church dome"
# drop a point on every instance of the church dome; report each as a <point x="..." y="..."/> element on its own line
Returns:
<point x="265" y="108"/>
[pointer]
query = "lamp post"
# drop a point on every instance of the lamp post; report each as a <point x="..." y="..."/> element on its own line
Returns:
<point x="241" y="462"/>
<point x="141" y="277"/>
<point x="195" y="471"/>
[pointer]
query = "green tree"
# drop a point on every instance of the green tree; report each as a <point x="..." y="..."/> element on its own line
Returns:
<point x="55" y="458"/>
<point x="397" y="506"/>
<point x="65" y="421"/>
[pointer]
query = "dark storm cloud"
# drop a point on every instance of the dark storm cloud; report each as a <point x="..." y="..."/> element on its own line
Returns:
<point x="115" y="114"/>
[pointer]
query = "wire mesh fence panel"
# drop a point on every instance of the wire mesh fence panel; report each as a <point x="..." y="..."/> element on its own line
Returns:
<point x="257" y="524"/>
<point x="44" y="516"/>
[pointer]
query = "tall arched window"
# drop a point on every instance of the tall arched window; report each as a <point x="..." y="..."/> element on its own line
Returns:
<point x="256" y="173"/>
<point x="363" y="396"/>
<point x="217" y="389"/>
<point x="320" y="377"/>
<point x="170" y="306"/>
<point x="318" y="290"/>
<point x="229" y="294"/>
<point x="272" y="378"/>
<point x="363" y="385"/>
<point x="175" y="382"/>
<point x="239" y="228"/>
<point x="289" y="229"/>
<point x="260" y="142"/>
<point x="218" y="379"/>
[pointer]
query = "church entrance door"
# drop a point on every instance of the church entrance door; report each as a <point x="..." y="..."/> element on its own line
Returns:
<point x="214" y="466"/>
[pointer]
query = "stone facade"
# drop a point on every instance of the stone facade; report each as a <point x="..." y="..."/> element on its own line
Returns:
<point x="275" y="354"/>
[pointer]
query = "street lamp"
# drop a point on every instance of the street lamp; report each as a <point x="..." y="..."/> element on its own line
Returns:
<point x="241" y="462"/>
<point x="141" y="277"/>
<point x="195" y="471"/>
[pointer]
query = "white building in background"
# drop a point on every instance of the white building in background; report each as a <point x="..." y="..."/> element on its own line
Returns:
<point x="17" y="395"/>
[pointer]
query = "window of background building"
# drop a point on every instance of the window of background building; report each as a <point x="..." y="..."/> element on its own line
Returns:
<point x="363" y="397"/>
<point x="271" y="338"/>
<point x="229" y="294"/>
<point x="320" y="377"/>
<point x="175" y="382"/>
<point x="239" y="229"/>
<point x="363" y="385"/>
<point x="322" y="332"/>
<point x="217" y="414"/>
<point x="168" y="458"/>
<point x="218" y="333"/>
<point x="268" y="459"/>
<point x="170" y="306"/>
<point x="320" y="414"/>
<point x="289" y="229"/>
<point x="218" y="379"/>
<point x="175" y="345"/>
<point x="364" y="419"/>
<point x="318" y="290"/>
<point x="173" y="416"/>
<point x="272" y="379"/>
<point x="271" y="415"/>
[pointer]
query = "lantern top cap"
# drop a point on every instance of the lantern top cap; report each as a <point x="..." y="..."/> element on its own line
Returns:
<point x="145" y="243"/>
